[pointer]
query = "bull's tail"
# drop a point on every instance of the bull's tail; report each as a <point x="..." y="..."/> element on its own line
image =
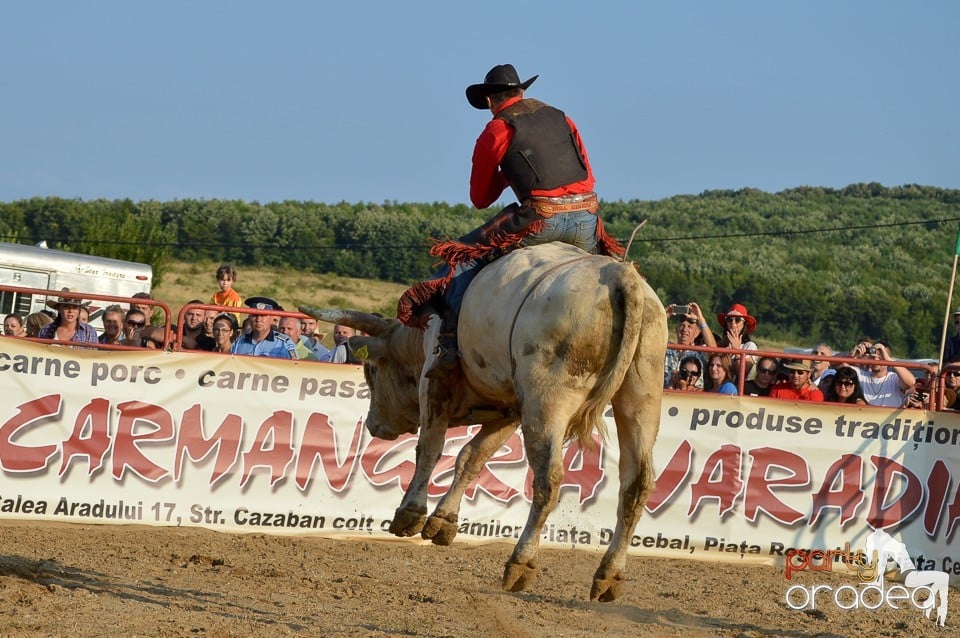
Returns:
<point x="628" y="296"/>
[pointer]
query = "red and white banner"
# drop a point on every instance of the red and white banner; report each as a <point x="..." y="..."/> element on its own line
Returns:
<point x="247" y="444"/>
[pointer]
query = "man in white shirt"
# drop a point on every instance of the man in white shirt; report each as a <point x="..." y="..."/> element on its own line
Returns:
<point x="881" y="385"/>
<point x="290" y="326"/>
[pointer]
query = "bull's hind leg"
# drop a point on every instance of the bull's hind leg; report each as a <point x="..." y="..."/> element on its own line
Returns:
<point x="636" y="408"/>
<point x="441" y="526"/>
<point x="543" y="441"/>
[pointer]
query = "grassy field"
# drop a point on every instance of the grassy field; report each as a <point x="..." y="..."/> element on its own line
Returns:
<point x="184" y="282"/>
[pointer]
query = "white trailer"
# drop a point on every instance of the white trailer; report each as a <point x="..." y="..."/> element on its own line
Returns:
<point x="48" y="269"/>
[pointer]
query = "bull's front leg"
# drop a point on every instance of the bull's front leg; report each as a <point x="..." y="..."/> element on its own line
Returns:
<point x="412" y="513"/>
<point x="441" y="527"/>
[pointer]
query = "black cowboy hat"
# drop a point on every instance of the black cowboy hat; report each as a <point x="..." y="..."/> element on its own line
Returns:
<point x="499" y="78"/>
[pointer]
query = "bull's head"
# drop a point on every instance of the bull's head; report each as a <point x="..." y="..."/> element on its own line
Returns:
<point x="392" y="356"/>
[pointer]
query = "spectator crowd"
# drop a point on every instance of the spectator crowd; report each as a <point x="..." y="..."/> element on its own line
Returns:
<point x="256" y="326"/>
<point x="701" y="360"/>
<point x="698" y="360"/>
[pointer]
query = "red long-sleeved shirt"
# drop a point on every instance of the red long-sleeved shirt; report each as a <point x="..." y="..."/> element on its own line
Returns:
<point x="487" y="182"/>
<point x="784" y="390"/>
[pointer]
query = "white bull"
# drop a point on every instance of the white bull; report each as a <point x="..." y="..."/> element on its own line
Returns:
<point x="549" y="336"/>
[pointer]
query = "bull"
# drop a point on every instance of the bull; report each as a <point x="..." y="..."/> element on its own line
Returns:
<point x="549" y="336"/>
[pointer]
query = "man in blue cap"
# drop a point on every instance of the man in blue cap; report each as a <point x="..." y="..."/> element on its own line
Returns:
<point x="263" y="340"/>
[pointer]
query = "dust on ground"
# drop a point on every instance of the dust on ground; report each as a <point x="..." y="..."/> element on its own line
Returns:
<point x="89" y="580"/>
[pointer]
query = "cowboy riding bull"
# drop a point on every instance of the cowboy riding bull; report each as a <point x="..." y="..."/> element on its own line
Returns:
<point x="549" y="336"/>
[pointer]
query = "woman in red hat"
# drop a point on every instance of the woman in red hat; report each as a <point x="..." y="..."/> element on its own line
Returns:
<point x="737" y="326"/>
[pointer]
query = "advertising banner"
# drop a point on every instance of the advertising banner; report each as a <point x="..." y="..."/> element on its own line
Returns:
<point x="245" y="444"/>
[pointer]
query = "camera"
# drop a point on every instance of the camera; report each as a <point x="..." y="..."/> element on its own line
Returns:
<point x="681" y="310"/>
<point x="922" y="397"/>
<point x="685" y="374"/>
<point x="871" y="350"/>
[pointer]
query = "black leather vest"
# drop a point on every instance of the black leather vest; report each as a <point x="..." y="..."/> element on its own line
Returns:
<point x="543" y="154"/>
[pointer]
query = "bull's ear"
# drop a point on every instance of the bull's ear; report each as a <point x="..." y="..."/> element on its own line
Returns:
<point x="367" y="348"/>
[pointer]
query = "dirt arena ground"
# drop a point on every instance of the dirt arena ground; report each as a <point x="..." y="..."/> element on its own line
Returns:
<point x="72" y="580"/>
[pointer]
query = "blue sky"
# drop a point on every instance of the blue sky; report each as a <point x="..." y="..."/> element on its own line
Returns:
<point x="364" y="101"/>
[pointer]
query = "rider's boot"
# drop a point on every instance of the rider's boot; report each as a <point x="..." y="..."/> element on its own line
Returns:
<point x="447" y="356"/>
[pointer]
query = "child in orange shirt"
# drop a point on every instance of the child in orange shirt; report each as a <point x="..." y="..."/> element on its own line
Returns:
<point x="227" y="296"/>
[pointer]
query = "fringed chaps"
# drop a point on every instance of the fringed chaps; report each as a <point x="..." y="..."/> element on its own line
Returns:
<point x="505" y="232"/>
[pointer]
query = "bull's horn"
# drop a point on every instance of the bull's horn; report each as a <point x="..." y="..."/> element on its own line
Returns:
<point x="362" y="321"/>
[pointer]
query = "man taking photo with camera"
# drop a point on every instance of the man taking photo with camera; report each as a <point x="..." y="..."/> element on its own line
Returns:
<point x="692" y="329"/>
<point x="881" y="385"/>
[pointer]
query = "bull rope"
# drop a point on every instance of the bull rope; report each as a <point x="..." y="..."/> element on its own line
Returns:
<point x="513" y="324"/>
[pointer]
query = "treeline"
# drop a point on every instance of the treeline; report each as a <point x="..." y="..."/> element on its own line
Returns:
<point x="812" y="264"/>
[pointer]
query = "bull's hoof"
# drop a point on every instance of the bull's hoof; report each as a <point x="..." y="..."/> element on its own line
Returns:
<point x="439" y="530"/>
<point x="607" y="587"/>
<point x="407" y="522"/>
<point x="519" y="576"/>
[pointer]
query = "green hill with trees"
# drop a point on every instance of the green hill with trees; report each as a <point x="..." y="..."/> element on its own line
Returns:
<point x="812" y="264"/>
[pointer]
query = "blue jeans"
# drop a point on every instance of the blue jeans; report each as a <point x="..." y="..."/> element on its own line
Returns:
<point x="578" y="228"/>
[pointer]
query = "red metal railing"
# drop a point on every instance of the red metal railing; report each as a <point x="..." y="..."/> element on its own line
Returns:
<point x="83" y="296"/>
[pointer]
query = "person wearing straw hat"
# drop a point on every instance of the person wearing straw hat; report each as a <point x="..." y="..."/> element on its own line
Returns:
<point x="797" y="387"/>
<point x="536" y="150"/>
<point x="67" y="325"/>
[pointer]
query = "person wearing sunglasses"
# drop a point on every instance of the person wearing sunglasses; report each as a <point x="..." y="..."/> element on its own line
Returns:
<point x="737" y="326"/>
<point x="687" y="377"/>
<point x="133" y="324"/>
<point x="691" y="330"/>
<point x="797" y="387"/>
<point x="766" y="376"/>
<point x="844" y="387"/>
<point x="951" y="385"/>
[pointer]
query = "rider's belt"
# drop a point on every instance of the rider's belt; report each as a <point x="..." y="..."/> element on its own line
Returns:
<point x="547" y="207"/>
